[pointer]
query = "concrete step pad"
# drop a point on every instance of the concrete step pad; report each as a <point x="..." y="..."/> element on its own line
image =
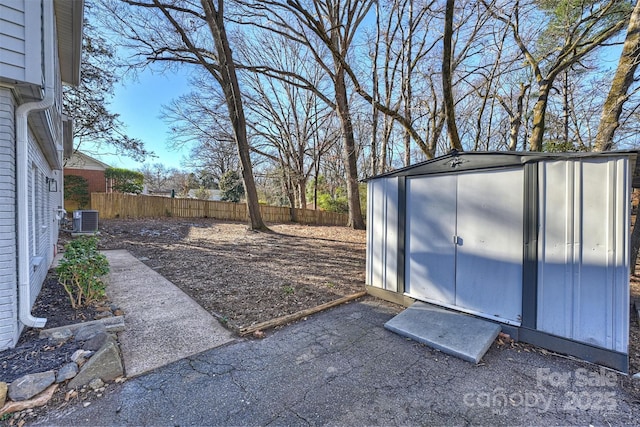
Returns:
<point x="451" y="332"/>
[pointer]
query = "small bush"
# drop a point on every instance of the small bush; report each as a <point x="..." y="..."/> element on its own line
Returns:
<point x="80" y="271"/>
<point x="76" y="189"/>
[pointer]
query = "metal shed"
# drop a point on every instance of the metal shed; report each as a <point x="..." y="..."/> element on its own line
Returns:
<point x="538" y="242"/>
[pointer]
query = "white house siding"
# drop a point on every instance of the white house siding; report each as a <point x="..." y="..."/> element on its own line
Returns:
<point x="8" y="278"/>
<point x="42" y="211"/>
<point x="20" y="27"/>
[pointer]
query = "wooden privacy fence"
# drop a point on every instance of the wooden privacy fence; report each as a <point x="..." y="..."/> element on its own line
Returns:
<point x="117" y="205"/>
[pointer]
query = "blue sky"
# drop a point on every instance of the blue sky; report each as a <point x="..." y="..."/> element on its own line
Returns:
<point x="139" y="103"/>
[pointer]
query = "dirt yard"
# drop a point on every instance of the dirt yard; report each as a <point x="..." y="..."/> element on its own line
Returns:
<point x="245" y="277"/>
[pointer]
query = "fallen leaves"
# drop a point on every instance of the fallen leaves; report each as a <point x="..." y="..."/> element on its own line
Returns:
<point x="244" y="277"/>
<point x="39" y="400"/>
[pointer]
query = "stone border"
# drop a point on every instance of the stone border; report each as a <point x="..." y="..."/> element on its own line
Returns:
<point x="97" y="361"/>
<point x="111" y="324"/>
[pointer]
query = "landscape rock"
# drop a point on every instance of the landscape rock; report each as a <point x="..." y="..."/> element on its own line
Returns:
<point x="80" y="355"/>
<point x="118" y="312"/>
<point x="67" y="372"/>
<point x="89" y="331"/>
<point x="105" y="364"/>
<point x="61" y="335"/>
<point x="30" y="385"/>
<point x="636" y="376"/>
<point x="104" y="315"/>
<point x="112" y="324"/>
<point x="40" y="400"/>
<point x="96" y="383"/>
<point x="95" y="343"/>
<point x="3" y="393"/>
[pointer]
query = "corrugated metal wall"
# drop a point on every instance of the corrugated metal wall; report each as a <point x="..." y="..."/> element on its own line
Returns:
<point x="382" y="234"/>
<point x="583" y="288"/>
<point x="464" y="240"/>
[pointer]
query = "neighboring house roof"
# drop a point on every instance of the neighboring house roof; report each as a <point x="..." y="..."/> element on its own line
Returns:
<point x="69" y="16"/>
<point x="83" y="161"/>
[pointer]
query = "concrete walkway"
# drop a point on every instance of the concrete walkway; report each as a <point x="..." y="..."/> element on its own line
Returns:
<point x="162" y="323"/>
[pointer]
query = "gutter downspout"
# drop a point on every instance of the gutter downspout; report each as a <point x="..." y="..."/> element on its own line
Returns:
<point x="22" y="168"/>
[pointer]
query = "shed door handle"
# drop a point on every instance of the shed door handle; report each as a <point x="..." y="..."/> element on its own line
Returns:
<point x="456" y="240"/>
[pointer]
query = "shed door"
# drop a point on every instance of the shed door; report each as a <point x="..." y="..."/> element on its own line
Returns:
<point x="489" y="253"/>
<point x="464" y="241"/>
<point x="430" y="224"/>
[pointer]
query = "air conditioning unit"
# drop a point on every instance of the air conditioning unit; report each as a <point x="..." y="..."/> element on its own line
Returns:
<point x="85" y="221"/>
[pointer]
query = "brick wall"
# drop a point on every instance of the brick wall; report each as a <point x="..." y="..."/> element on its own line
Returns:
<point x="97" y="182"/>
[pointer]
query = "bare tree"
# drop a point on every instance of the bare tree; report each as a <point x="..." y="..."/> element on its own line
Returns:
<point x="622" y="80"/>
<point x="581" y="28"/>
<point x="199" y="121"/>
<point x="157" y="176"/>
<point x="447" y="90"/>
<point x="181" y="31"/>
<point x="289" y="119"/>
<point x="332" y="25"/>
<point x="95" y="127"/>
<point x="612" y="109"/>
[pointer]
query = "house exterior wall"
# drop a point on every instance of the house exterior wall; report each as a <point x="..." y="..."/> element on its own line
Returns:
<point x="21" y="81"/>
<point x="43" y="205"/>
<point x="8" y="275"/>
<point x="20" y="26"/>
<point x="42" y="216"/>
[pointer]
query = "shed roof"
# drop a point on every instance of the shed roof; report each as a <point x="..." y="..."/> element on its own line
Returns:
<point x="471" y="160"/>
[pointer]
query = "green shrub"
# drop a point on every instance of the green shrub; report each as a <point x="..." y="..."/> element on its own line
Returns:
<point x="76" y="188"/>
<point x="124" y="180"/>
<point x="232" y="187"/>
<point x="80" y="271"/>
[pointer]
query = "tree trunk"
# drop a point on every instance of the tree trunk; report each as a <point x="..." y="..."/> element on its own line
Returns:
<point x="231" y="89"/>
<point x="407" y="87"/>
<point x="565" y="109"/>
<point x="302" y="189"/>
<point x="539" y="113"/>
<point x="612" y="108"/>
<point x="447" y="90"/>
<point x="375" y="91"/>
<point x="349" y="152"/>
<point x="516" y="121"/>
<point x="622" y="80"/>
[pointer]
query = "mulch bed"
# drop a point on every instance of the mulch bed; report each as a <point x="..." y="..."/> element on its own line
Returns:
<point x="39" y="355"/>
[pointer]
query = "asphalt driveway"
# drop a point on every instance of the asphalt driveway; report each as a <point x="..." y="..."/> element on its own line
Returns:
<point x="341" y="367"/>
